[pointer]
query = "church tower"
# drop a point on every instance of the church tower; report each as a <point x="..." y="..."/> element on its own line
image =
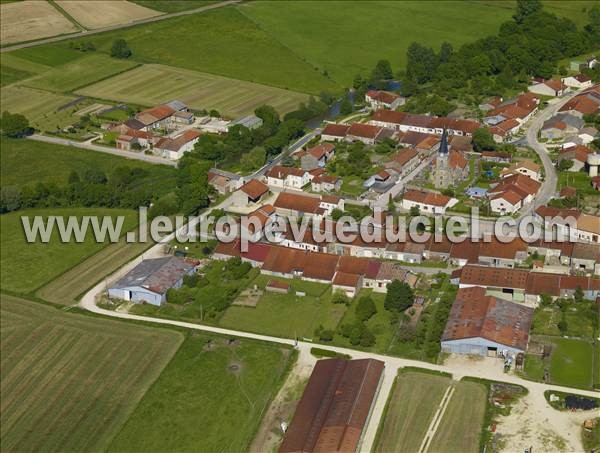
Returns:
<point x="442" y="178"/>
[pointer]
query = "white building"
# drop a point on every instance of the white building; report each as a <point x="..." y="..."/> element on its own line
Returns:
<point x="292" y="177"/>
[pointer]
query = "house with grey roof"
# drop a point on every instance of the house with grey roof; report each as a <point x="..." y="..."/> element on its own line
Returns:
<point x="561" y="125"/>
<point x="150" y="280"/>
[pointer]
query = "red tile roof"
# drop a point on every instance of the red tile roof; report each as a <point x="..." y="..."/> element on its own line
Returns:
<point x="254" y="189"/>
<point x="494" y="276"/>
<point x="335" y="130"/>
<point x="281" y="172"/>
<point x="294" y="202"/>
<point x="429" y="198"/>
<point x="364" y="130"/>
<point x="382" y="96"/>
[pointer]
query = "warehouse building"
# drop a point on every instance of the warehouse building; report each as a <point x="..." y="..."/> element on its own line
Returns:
<point x="150" y="280"/>
<point x="484" y="325"/>
<point x="335" y="407"/>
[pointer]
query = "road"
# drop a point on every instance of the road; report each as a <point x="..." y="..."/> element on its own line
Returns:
<point x="150" y="158"/>
<point x="87" y="33"/>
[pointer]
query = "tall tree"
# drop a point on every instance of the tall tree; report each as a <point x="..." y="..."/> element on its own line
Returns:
<point x="382" y="71"/>
<point x="526" y="8"/>
<point x="120" y="49"/>
<point x="14" y="125"/>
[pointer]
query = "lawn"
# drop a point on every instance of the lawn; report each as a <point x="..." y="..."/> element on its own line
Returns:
<point x="534" y="367"/>
<point x="352" y="185"/>
<point x="287" y="315"/>
<point x="69" y="382"/>
<point x="174" y="6"/>
<point x="209" y="398"/>
<point x="146" y="86"/>
<point x="54" y="163"/>
<point x="49" y="55"/>
<point x="79" y="73"/>
<point x="40" y="107"/>
<point x="580" y="180"/>
<point x="571" y="363"/>
<point x="27" y="266"/>
<point x="462" y="423"/>
<point x="410" y="409"/>
<point x="222" y="41"/>
<point x="578" y="317"/>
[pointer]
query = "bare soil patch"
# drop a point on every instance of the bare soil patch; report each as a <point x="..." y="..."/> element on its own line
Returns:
<point x="104" y="13"/>
<point x="30" y="20"/>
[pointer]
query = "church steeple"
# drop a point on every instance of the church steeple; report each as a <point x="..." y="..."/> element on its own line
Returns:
<point x="443" y="149"/>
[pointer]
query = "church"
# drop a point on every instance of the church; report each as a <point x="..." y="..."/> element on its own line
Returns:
<point x="449" y="167"/>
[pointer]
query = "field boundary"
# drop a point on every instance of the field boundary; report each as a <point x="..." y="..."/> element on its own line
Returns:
<point x="67" y="15"/>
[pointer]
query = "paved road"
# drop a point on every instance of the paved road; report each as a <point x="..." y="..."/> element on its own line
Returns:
<point x="150" y="158"/>
<point x="117" y="27"/>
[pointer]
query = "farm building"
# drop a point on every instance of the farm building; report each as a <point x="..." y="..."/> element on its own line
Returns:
<point x="150" y="280"/>
<point x="484" y="325"/>
<point x="335" y="407"/>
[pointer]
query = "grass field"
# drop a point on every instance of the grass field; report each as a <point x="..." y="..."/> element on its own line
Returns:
<point x="571" y="363"/>
<point x="103" y="13"/>
<point x="54" y="163"/>
<point x="208" y="398"/>
<point x="27" y="266"/>
<point x="69" y="382"/>
<point x="287" y="315"/>
<point x="13" y="68"/>
<point x="40" y="107"/>
<point x="340" y="37"/>
<point x="411" y="407"/>
<point x="463" y="420"/>
<point x="174" y="6"/>
<point x="79" y="73"/>
<point x="146" y="86"/>
<point x="30" y="20"/>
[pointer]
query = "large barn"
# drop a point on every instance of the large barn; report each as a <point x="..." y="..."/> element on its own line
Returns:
<point x="484" y="325"/>
<point x="150" y="280"/>
<point x="335" y="407"/>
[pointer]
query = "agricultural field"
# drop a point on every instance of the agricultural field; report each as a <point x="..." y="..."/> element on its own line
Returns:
<point x="211" y="397"/>
<point x="286" y="315"/>
<point x="69" y="382"/>
<point x="146" y="85"/>
<point x="56" y="162"/>
<point x="27" y="266"/>
<point x="13" y="68"/>
<point x="30" y="20"/>
<point x="174" y="6"/>
<point x="40" y="107"/>
<point x="105" y="13"/>
<point x="79" y="73"/>
<point x="410" y="410"/>
<point x="245" y="51"/>
<point x="463" y="420"/>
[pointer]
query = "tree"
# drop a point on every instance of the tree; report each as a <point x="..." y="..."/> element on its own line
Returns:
<point x="446" y="51"/>
<point x="365" y="308"/>
<point x="565" y="164"/>
<point x="346" y="107"/>
<point x="546" y="299"/>
<point x="253" y="159"/>
<point x="399" y="296"/>
<point x="340" y="297"/>
<point x="14" y="125"/>
<point x="578" y="296"/>
<point x="414" y="211"/>
<point x="74" y="177"/>
<point x="10" y="199"/>
<point x="526" y="8"/>
<point x="483" y="140"/>
<point x="95" y="175"/>
<point x="367" y="338"/>
<point x="382" y="71"/>
<point x="120" y="49"/>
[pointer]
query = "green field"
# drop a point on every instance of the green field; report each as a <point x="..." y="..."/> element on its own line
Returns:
<point x="571" y="363"/>
<point x="173" y="6"/>
<point x="462" y="423"/>
<point x="54" y="163"/>
<point x="40" y="107"/>
<point x="410" y="409"/>
<point x="79" y="73"/>
<point x="287" y="315"/>
<point x="70" y="382"/>
<point x="27" y="266"/>
<point x="208" y="398"/>
<point x="13" y="69"/>
<point x="146" y="86"/>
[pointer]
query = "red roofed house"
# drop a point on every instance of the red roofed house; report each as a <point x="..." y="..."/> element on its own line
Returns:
<point x="427" y="202"/>
<point x="507" y="202"/>
<point x="174" y="148"/>
<point x="484" y="325"/>
<point x="326" y="183"/>
<point x="383" y="100"/>
<point x="404" y="162"/>
<point x="577" y="154"/>
<point x="251" y="193"/>
<point x="404" y="122"/>
<point x="280" y="176"/>
<point x="334" y="132"/>
<point x="317" y="156"/>
<point x="552" y="88"/>
<point x="367" y="133"/>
